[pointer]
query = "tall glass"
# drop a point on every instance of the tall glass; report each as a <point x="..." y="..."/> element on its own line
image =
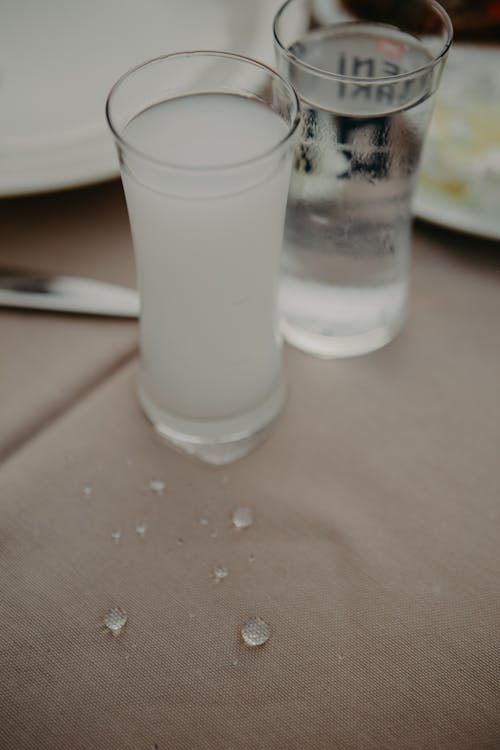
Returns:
<point x="366" y="72"/>
<point x="205" y="142"/>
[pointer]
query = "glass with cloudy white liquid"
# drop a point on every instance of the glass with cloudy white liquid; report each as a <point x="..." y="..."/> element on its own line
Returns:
<point x="205" y="143"/>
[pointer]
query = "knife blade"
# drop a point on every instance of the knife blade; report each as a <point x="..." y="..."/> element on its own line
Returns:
<point x="67" y="294"/>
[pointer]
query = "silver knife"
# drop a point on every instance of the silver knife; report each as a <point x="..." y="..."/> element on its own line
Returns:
<point x="68" y="294"/>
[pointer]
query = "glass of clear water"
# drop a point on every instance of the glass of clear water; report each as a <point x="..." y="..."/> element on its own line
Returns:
<point x="205" y="142"/>
<point x="366" y="78"/>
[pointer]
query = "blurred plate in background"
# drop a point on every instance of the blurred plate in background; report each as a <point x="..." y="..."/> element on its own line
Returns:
<point x="459" y="184"/>
<point x="59" y="58"/>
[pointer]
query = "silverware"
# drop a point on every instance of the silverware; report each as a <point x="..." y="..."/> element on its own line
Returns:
<point x="68" y="294"/>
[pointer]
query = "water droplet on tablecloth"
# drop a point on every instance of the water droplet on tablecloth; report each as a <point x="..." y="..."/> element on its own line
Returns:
<point x="219" y="573"/>
<point x="203" y="521"/>
<point x="115" y="620"/>
<point x="242" y="518"/>
<point x="255" y="632"/>
<point x="87" y="490"/>
<point x="116" y="536"/>
<point x="141" y="529"/>
<point x="157" y="485"/>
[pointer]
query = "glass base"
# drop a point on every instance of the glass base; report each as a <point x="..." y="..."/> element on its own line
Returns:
<point x="333" y="321"/>
<point x="337" y="347"/>
<point x="216" y="442"/>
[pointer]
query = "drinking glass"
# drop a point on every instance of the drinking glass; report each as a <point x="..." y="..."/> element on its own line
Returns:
<point x="366" y="72"/>
<point x="205" y="142"/>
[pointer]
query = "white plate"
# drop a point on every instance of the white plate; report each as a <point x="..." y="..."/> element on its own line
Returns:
<point x="459" y="186"/>
<point x="61" y="57"/>
<point x="433" y="206"/>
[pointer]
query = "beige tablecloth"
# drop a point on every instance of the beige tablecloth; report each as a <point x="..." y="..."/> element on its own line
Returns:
<point x="47" y="360"/>
<point x="374" y="556"/>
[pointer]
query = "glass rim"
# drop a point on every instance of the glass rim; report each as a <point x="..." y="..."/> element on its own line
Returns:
<point x="363" y="80"/>
<point x="291" y="128"/>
